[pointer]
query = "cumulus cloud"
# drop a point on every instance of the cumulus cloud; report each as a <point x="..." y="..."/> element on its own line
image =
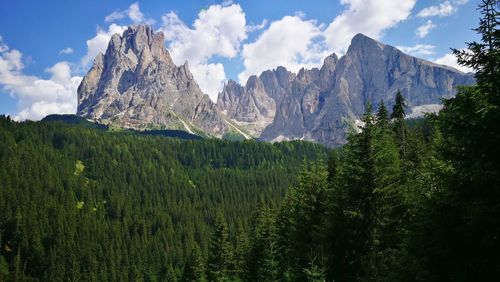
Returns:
<point x="210" y="77"/>
<point x="424" y="29"/>
<point x="444" y="9"/>
<point x="451" y="60"/>
<point x="38" y="97"/>
<point x="291" y="42"/>
<point x="133" y="13"/>
<point x="66" y="51"/>
<point x="99" y="42"/>
<point x="371" y="17"/>
<point x="217" y="31"/>
<point x="418" y="50"/>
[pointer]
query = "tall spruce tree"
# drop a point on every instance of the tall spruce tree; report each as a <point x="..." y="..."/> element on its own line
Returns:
<point x="351" y="206"/>
<point x="262" y="258"/>
<point x="220" y="257"/>
<point x="301" y="219"/>
<point x="398" y="115"/>
<point x="382" y="115"/>
<point x="194" y="270"/>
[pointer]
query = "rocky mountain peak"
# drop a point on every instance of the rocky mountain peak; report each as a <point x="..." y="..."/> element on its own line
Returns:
<point x="363" y="43"/>
<point x="137" y="85"/>
<point x="254" y="84"/>
<point x="330" y="61"/>
<point x="139" y="43"/>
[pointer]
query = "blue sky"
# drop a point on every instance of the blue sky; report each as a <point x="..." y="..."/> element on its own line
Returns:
<point x="47" y="46"/>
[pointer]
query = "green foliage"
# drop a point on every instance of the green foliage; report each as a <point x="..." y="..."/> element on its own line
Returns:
<point x="314" y="273"/>
<point x="194" y="270"/>
<point x="262" y="259"/>
<point x="79" y="168"/>
<point x="300" y="220"/>
<point x="460" y="224"/>
<point x="399" y="126"/>
<point x="382" y="115"/>
<point x="136" y="206"/>
<point x="220" y="262"/>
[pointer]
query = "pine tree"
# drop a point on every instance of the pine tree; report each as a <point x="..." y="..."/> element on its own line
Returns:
<point x="241" y="252"/>
<point x="333" y="167"/>
<point x="299" y="221"/>
<point x="398" y="115"/>
<point x="262" y="259"/>
<point x="194" y="270"/>
<point x="382" y="115"/>
<point x="220" y="257"/>
<point x="351" y="207"/>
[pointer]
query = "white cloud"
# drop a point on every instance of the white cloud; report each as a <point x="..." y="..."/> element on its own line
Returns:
<point x="218" y="31"/>
<point x="99" y="43"/>
<point x="370" y="17"/>
<point x="290" y="42"/>
<point x="134" y="14"/>
<point x="210" y="78"/>
<point x="116" y="15"/>
<point x="451" y="60"/>
<point x="424" y="29"/>
<point x="418" y="50"/>
<point x="442" y="10"/>
<point x="38" y="97"/>
<point x="66" y="51"/>
<point x="256" y="27"/>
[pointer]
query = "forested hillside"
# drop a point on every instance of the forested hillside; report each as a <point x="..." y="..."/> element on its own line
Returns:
<point x="401" y="201"/>
<point x="79" y="203"/>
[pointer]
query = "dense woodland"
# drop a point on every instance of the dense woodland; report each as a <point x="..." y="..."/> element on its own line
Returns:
<point x="86" y="204"/>
<point x="403" y="200"/>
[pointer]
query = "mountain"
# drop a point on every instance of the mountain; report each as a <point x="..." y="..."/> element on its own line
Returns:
<point x="322" y="104"/>
<point x="135" y="84"/>
<point x="253" y="106"/>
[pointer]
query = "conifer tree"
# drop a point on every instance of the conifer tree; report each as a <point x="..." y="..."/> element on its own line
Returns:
<point x="194" y="270"/>
<point x="220" y="257"/>
<point x="382" y="115"/>
<point x="262" y="259"/>
<point x="398" y="115"/>
<point x="241" y="252"/>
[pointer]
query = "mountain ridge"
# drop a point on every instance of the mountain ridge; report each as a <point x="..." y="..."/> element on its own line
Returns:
<point x="320" y="104"/>
<point x="135" y="84"/>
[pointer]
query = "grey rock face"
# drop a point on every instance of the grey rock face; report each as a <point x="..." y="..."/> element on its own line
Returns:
<point x="321" y="105"/>
<point x="253" y="106"/>
<point x="135" y="84"/>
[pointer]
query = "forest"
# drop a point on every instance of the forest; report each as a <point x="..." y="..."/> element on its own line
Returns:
<point x="79" y="203"/>
<point x="403" y="200"/>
